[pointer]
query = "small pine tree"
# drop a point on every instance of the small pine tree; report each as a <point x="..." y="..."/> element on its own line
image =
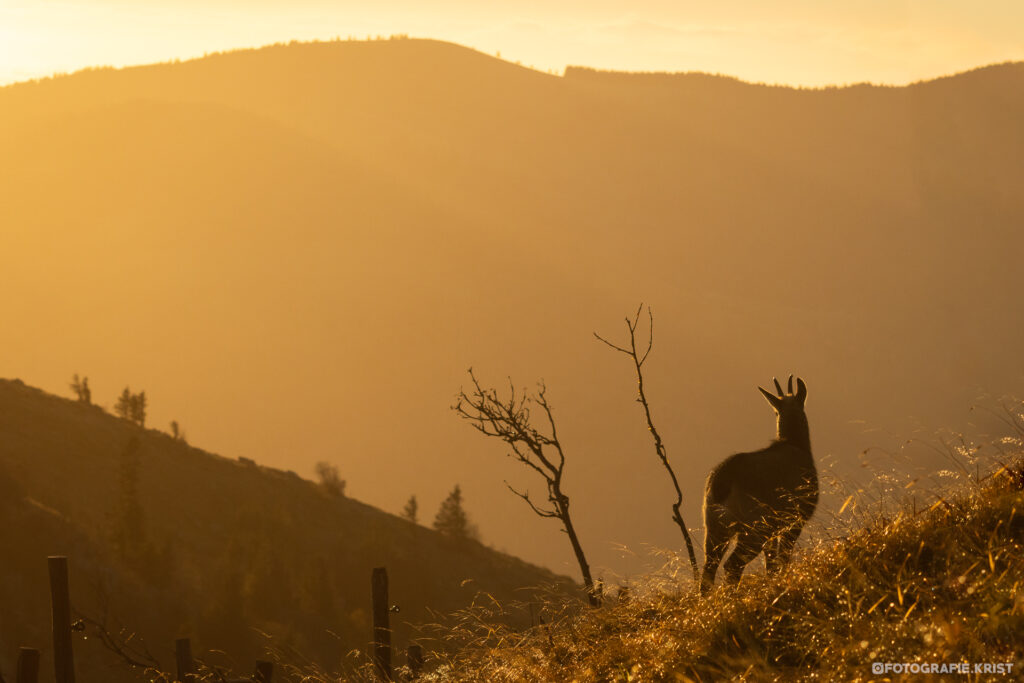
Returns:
<point x="132" y="406"/>
<point x="123" y="407"/>
<point x="452" y="520"/>
<point x="411" y="510"/>
<point x="138" y="409"/>
<point x="81" y="389"/>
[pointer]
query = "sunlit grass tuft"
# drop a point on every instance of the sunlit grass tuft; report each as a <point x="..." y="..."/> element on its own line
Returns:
<point x="941" y="585"/>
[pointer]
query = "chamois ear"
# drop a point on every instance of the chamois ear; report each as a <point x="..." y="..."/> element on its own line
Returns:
<point x="801" y="391"/>
<point x="773" y="400"/>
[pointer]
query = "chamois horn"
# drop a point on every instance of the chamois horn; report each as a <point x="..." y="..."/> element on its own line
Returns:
<point x="801" y="390"/>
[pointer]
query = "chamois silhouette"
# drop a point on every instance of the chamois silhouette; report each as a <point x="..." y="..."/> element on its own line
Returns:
<point x="764" y="497"/>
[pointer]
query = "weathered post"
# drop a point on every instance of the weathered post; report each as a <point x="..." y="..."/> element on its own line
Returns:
<point x="414" y="658"/>
<point x="63" y="659"/>
<point x="381" y="624"/>
<point x="183" y="660"/>
<point x="28" y="665"/>
<point x="264" y="671"/>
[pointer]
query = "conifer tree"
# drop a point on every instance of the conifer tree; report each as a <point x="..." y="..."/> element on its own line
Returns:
<point x="123" y="407"/>
<point x="138" y="409"/>
<point x="128" y="531"/>
<point x="411" y="510"/>
<point x="132" y="406"/>
<point x="452" y="520"/>
<point x="81" y="388"/>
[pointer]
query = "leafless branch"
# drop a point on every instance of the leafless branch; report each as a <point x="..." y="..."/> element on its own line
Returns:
<point x="632" y="326"/>
<point x="659" y="445"/>
<point x="525" y="495"/>
<point x="510" y="421"/>
<point x="130" y="649"/>
<point x="125" y="644"/>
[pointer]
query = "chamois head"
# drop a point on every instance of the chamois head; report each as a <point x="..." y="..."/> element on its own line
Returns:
<point x="789" y="406"/>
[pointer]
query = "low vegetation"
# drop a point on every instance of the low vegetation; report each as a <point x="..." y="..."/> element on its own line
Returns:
<point x="940" y="585"/>
<point x="932" y="586"/>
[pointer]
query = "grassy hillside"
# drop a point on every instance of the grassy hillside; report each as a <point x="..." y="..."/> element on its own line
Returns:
<point x="222" y="550"/>
<point x="102" y="589"/>
<point x="298" y="250"/>
<point x="939" y="585"/>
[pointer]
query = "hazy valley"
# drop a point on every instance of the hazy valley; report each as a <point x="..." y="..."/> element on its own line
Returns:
<point x="298" y="251"/>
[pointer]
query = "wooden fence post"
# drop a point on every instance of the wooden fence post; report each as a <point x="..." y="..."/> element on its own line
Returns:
<point x="28" y="665"/>
<point x="183" y="660"/>
<point x="264" y="671"/>
<point x="414" y="658"/>
<point x="63" y="658"/>
<point x="381" y="624"/>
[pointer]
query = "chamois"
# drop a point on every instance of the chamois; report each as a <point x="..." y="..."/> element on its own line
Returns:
<point x="765" y="497"/>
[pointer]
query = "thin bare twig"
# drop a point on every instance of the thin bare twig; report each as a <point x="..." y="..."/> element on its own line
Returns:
<point x="659" y="445"/>
<point x="525" y="495"/>
<point x="134" y="654"/>
<point x="125" y="645"/>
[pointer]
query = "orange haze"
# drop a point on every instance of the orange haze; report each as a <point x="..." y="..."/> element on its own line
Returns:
<point x="298" y="251"/>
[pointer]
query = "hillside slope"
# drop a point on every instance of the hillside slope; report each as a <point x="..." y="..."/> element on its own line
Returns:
<point x="101" y="590"/>
<point x="220" y="549"/>
<point x="938" y="587"/>
<point x="298" y="250"/>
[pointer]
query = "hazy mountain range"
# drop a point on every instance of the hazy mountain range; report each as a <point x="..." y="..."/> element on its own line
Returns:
<point x="297" y="251"/>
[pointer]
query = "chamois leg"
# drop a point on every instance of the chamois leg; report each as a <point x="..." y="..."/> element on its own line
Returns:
<point x="748" y="545"/>
<point x="787" y="539"/>
<point x="716" y="541"/>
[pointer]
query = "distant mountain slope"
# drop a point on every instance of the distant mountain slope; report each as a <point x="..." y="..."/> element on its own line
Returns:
<point x="227" y="549"/>
<point x="298" y="251"/>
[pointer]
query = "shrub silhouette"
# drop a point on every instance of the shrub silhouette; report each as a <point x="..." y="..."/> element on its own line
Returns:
<point x="330" y="481"/>
<point x="411" y="510"/>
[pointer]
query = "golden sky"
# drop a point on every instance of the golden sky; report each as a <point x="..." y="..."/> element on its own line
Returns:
<point x="800" y="42"/>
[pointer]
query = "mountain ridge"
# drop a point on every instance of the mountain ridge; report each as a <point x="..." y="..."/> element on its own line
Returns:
<point x="571" y="70"/>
